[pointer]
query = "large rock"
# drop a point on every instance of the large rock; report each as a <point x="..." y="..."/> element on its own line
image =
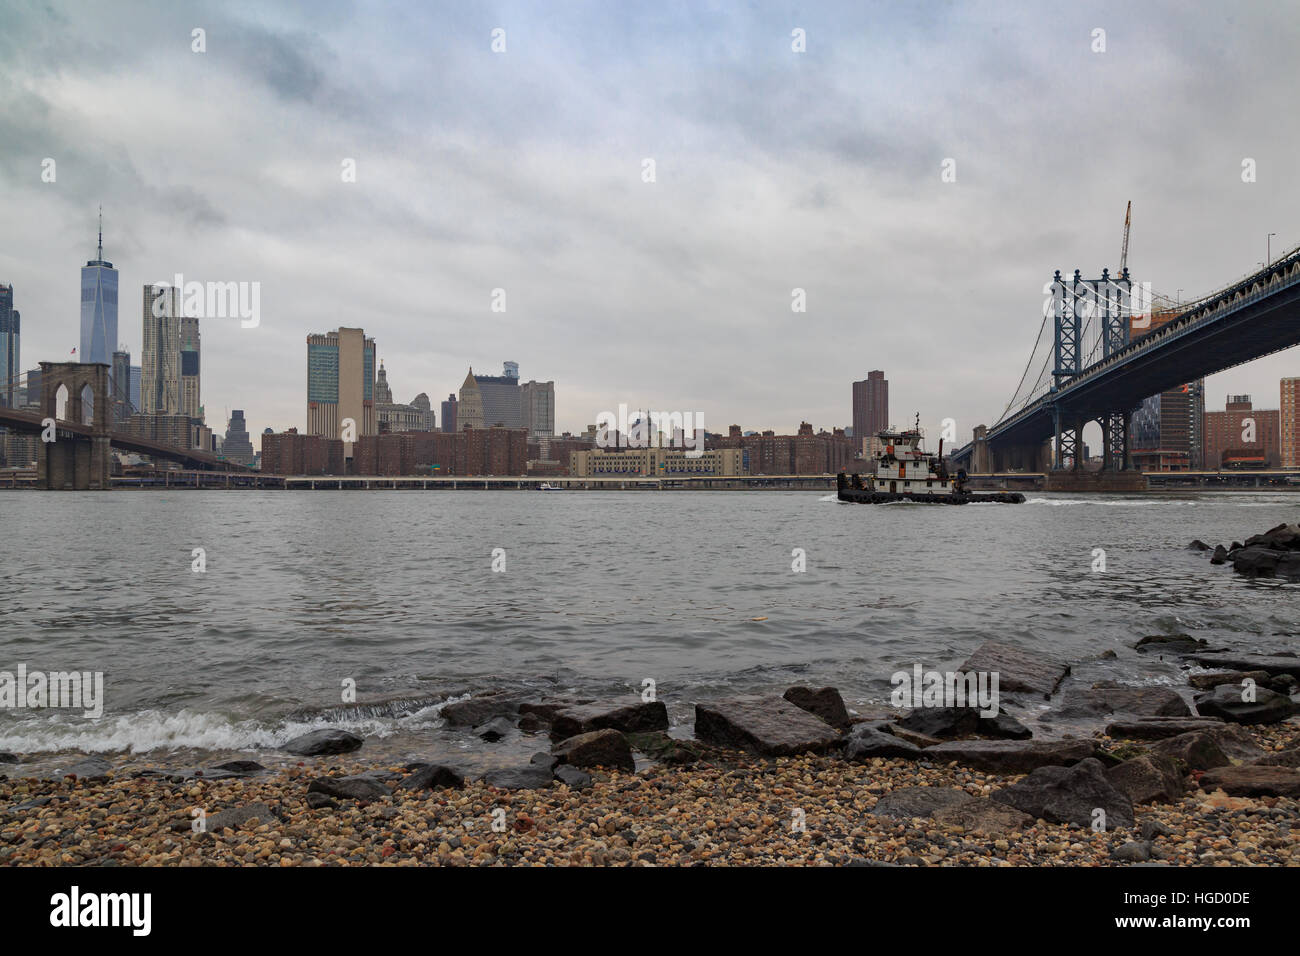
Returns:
<point x="630" y="714"/>
<point x="983" y="816"/>
<point x="764" y="724"/>
<point x="432" y="776"/>
<point x="865" y="741"/>
<point x="1281" y="758"/>
<point x="1197" y="750"/>
<point x="825" y="703"/>
<point x="572" y="777"/>
<point x="907" y="803"/>
<point x="599" y="748"/>
<point x="320" y="742"/>
<point x="1018" y="669"/>
<point x="1253" y="780"/>
<point x="358" y="787"/>
<point x="1261" y="561"/>
<point x="1215" y="678"/>
<point x="1149" y="778"/>
<point x="662" y="748"/>
<point x="1226" y="701"/>
<point x="945" y="723"/>
<point x="236" y="817"/>
<point x="85" y="769"/>
<point x="1170" y="644"/>
<point x="1270" y="663"/>
<point x="1069" y="795"/>
<point x="479" y="710"/>
<point x="1236" y="741"/>
<point x="531" y="777"/>
<point x="1011" y="756"/>
<point x="1157" y="728"/>
<point x="1139" y="701"/>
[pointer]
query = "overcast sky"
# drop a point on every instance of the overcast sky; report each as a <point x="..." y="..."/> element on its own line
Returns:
<point x="523" y="171"/>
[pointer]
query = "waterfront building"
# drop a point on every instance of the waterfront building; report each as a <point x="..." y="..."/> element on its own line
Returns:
<point x="341" y="384"/>
<point x="1289" y="423"/>
<point x="1167" y="432"/>
<point x="805" y="453"/>
<point x="1229" y="434"/>
<point x="98" y="307"/>
<point x="395" y="417"/>
<point x="657" y="462"/>
<point x="289" y="453"/>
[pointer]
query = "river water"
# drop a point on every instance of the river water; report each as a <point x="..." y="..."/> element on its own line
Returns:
<point x="594" y="593"/>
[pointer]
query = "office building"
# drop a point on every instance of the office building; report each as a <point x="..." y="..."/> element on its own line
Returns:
<point x="160" y="380"/>
<point x="870" y="405"/>
<point x="236" y="446"/>
<point x="341" y="370"/>
<point x="98" y="307"/>
<point x="537" y="401"/>
<point x="449" y="413"/>
<point x="10" y="351"/>
<point x="396" y="417"/>
<point x="1167" y="432"/>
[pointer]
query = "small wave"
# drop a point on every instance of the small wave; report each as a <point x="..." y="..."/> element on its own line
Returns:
<point x="829" y="498"/>
<point x="154" y="730"/>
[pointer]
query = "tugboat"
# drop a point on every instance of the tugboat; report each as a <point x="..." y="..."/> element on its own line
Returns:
<point x="906" y="473"/>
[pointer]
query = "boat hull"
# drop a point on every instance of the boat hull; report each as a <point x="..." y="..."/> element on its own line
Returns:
<point x="884" y="497"/>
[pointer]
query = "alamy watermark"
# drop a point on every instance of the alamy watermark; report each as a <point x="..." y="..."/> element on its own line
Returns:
<point x="214" y="300"/>
<point x="918" y="688"/>
<point x="36" y="690"/>
<point x="651" y="429"/>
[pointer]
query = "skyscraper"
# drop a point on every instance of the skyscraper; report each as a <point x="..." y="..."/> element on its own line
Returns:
<point x="160" y="384"/>
<point x="10" y="367"/>
<point x="870" y="406"/>
<point x="98" y="306"/>
<point x="449" y="413"/>
<point x="121" y="385"/>
<point x="537" y="403"/>
<point x="341" y="384"/>
<point x="236" y="447"/>
<point x="191" y="399"/>
<point x="487" y="400"/>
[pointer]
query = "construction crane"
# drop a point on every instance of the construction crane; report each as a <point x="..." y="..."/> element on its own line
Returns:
<point x="1123" y="256"/>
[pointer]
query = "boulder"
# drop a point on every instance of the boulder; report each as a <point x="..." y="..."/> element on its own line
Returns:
<point x="84" y="769"/>
<point x="660" y="747"/>
<point x="911" y="736"/>
<point x="1280" y="758"/>
<point x="1252" y="780"/>
<point x="1149" y="778"/>
<point x="1271" y="664"/>
<point x="1215" y="678"/>
<point x="475" y="711"/>
<point x="825" y="703"/>
<point x="236" y="817"/>
<point x="433" y="776"/>
<point x="865" y="741"/>
<point x="1134" y="851"/>
<point x="1236" y="741"/>
<point x="240" y="766"/>
<point x="1198" y="545"/>
<point x="1012" y="756"/>
<point x="945" y="723"/>
<point x="549" y="761"/>
<point x="494" y="729"/>
<point x="598" y="748"/>
<point x="1156" y="728"/>
<point x="1069" y="795"/>
<point x="359" y="787"/>
<point x="983" y="816"/>
<point x="1220" y="555"/>
<point x="630" y="714"/>
<point x="1261" y="561"/>
<point x="531" y="777"/>
<point x="1018" y="669"/>
<point x="1139" y="701"/>
<point x="1197" y="750"/>
<point x="1170" y="644"/>
<point x="764" y="724"/>
<point x="8" y="758"/>
<point x="572" y="777"/>
<point x="907" y="803"/>
<point x="319" y="742"/>
<point x="1225" y="701"/>
<point x="547" y="708"/>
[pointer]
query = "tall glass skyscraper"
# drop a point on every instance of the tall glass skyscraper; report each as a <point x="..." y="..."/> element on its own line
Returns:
<point x="98" y="307"/>
<point x="10" y="368"/>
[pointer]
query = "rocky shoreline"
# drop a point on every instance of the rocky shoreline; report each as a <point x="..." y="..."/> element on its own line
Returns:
<point x="1204" y="774"/>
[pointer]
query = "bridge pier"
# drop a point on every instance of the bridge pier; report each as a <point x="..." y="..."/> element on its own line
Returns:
<point x="76" y="462"/>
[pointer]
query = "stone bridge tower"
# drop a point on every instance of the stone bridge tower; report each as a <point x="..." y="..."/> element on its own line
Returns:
<point x="76" y="461"/>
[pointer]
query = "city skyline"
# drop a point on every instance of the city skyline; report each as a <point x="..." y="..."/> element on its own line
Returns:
<point x="843" y="197"/>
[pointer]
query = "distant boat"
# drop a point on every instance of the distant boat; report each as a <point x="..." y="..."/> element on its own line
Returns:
<point x="547" y="486"/>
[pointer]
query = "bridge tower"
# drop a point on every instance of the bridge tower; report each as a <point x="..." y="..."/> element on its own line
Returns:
<point x="74" y="461"/>
<point x="1080" y="306"/>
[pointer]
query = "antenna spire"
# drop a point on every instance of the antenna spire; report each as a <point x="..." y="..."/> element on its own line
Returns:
<point x="101" y="233"/>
